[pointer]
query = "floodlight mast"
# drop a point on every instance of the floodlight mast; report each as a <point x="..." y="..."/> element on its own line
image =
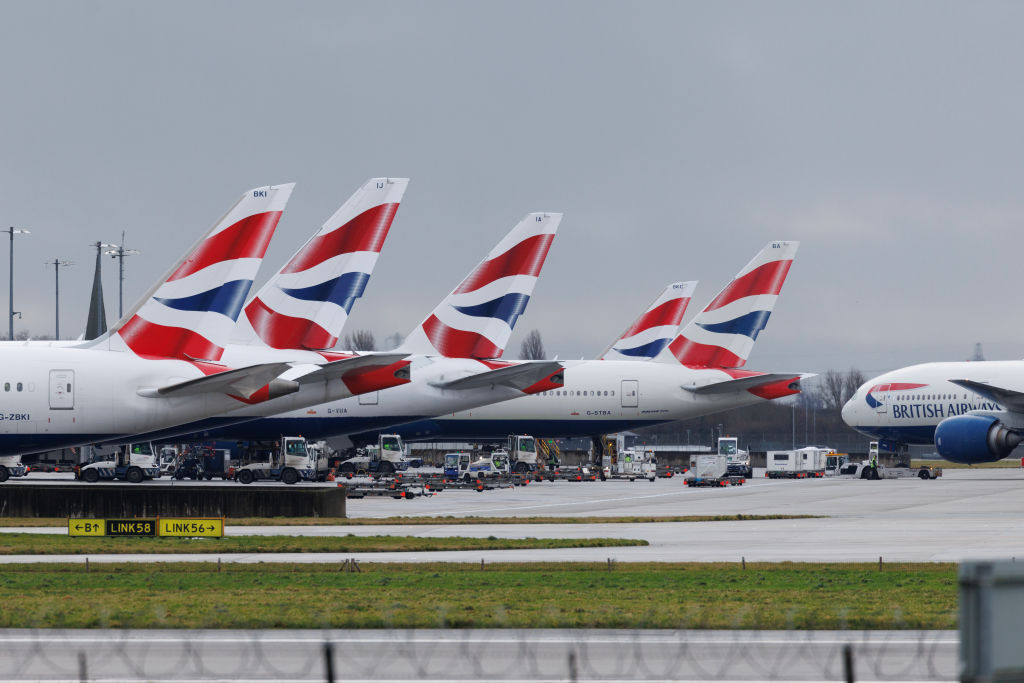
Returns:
<point x="12" y="231"/>
<point x="119" y="252"/>
<point x="57" y="263"/>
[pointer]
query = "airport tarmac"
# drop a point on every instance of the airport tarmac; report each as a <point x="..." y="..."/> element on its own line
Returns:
<point x="453" y="655"/>
<point x="966" y="514"/>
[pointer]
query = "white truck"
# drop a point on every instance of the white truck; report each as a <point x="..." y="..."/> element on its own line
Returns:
<point x="390" y="455"/>
<point x="522" y="453"/>
<point x="802" y="463"/>
<point x="287" y="460"/>
<point x="132" y="462"/>
<point x="11" y="466"/>
<point x="737" y="458"/>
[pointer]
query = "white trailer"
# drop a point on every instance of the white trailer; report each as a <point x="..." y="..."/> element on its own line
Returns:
<point x="802" y="463"/>
<point x="712" y="469"/>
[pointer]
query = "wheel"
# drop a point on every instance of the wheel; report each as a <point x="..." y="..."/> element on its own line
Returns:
<point x="91" y="476"/>
<point x="290" y="476"/>
<point x="522" y="467"/>
<point x="4" y="474"/>
<point x="924" y="474"/>
<point x="347" y="468"/>
<point x="386" y="467"/>
<point x="134" y="475"/>
<point x="466" y="478"/>
<point x="209" y="477"/>
<point x="245" y="477"/>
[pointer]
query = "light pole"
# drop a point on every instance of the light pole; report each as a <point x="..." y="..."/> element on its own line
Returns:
<point x="119" y="252"/>
<point x="57" y="263"/>
<point x="10" y="316"/>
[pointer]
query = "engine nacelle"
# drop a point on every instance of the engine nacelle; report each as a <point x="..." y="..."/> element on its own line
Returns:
<point x="971" y="439"/>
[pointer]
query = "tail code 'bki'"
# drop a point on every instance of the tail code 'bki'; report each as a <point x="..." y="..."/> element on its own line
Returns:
<point x="654" y="329"/>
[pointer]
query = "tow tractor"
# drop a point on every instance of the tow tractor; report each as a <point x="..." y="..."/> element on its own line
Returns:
<point x="865" y="470"/>
<point x="387" y="457"/>
<point x="738" y="459"/>
<point x="467" y="468"/>
<point x="11" y="466"/>
<point x="133" y="463"/>
<point x="287" y="460"/>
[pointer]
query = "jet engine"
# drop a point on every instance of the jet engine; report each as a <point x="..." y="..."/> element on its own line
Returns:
<point x="971" y="439"/>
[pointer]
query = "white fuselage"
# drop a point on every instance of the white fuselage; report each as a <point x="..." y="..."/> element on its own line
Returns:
<point x="906" y="405"/>
<point x="598" y="397"/>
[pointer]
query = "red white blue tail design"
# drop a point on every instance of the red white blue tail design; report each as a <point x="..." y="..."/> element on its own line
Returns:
<point x="190" y="314"/>
<point x="476" y="320"/>
<point x="306" y="304"/>
<point x="723" y="334"/>
<point x="655" y="328"/>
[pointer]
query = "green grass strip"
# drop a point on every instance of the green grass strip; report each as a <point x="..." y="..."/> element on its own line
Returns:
<point x="58" y="544"/>
<point x="504" y="595"/>
<point x="384" y="521"/>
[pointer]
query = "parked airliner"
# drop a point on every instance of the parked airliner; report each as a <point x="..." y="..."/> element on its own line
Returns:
<point x="972" y="412"/>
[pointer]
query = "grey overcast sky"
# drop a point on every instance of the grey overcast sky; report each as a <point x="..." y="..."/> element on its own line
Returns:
<point x="677" y="137"/>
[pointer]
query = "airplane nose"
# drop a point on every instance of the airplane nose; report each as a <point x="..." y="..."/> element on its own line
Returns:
<point x="849" y="411"/>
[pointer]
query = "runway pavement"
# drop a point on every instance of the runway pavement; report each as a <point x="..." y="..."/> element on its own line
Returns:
<point x="967" y="514"/>
<point x="451" y="655"/>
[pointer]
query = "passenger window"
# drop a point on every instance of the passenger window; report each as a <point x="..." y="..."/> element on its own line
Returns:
<point x="19" y="386"/>
<point x="7" y="386"/>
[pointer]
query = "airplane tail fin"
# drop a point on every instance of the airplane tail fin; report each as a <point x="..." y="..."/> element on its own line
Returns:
<point x="655" y="328"/>
<point x="306" y="304"/>
<point x="189" y="314"/>
<point x="476" y="320"/>
<point x="723" y="334"/>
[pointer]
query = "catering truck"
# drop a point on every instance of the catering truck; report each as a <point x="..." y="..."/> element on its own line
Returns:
<point x="802" y="463"/>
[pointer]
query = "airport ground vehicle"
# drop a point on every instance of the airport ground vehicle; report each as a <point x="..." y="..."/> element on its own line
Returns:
<point x="287" y="460"/>
<point x="522" y="453"/>
<point x="634" y="464"/>
<point x="388" y="456"/>
<point x="11" y="466"/>
<point x="802" y="463"/>
<point x="738" y="460"/>
<point x="712" y="470"/>
<point x="865" y="470"/>
<point x="132" y="462"/>
<point x="470" y="466"/>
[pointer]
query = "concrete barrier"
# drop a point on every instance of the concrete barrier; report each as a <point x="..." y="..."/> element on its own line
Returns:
<point x="199" y="500"/>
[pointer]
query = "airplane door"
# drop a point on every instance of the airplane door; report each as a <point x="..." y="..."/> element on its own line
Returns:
<point x="882" y="407"/>
<point x="630" y="393"/>
<point x="368" y="399"/>
<point x="62" y="389"/>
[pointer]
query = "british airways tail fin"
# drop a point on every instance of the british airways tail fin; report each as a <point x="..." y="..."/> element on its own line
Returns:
<point x="190" y="313"/>
<point x="306" y="304"/>
<point x="476" y="320"/>
<point x="655" y="328"/>
<point x="723" y="334"/>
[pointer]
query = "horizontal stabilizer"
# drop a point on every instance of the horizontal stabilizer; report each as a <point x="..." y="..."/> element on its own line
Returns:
<point x="518" y="376"/>
<point x="743" y="383"/>
<point x="339" y="368"/>
<point x="241" y="382"/>
<point x="1008" y="398"/>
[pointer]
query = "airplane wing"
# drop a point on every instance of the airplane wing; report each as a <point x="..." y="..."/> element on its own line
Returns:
<point x="1008" y="398"/>
<point x="240" y="381"/>
<point x="516" y="376"/>
<point x="743" y="383"/>
<point x="339" y="368"/>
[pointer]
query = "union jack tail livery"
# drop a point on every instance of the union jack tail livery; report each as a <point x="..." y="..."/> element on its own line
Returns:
<point x="306" y="304"/>
<point x="723" y="334"/>
<point x="655" y="328"/>
<point x="190" y="313"/>
<point x="476" y="320"/>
